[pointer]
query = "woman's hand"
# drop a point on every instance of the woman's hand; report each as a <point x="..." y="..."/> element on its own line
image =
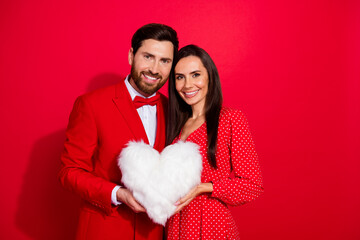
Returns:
<point x="193" y="193"/>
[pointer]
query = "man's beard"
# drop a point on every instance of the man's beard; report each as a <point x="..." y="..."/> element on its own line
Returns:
<point x="144" y="86"/>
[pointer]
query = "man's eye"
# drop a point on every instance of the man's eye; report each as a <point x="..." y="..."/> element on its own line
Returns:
<point x="147" y="56"/>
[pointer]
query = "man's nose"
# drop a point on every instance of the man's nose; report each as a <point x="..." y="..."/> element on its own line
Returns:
<point x="154" y="68"/>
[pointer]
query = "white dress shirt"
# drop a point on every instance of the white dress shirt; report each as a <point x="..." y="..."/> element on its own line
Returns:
<point x="148" y="118"/>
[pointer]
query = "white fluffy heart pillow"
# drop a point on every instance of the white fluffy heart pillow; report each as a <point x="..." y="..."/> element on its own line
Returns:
<point x="156" y="180"/>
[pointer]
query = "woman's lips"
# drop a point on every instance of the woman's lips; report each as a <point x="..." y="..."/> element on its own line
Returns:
<point x="191" y="94"/>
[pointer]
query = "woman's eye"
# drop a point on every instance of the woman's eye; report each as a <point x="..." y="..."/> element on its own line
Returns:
<point x="196" y="75"/>
<point x="179" y="77"/>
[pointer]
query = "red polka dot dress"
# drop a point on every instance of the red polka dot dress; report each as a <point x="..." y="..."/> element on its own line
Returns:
<point x="207" y="216"/>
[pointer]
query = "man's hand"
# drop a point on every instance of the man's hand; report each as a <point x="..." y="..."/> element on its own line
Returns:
<point x="125" y="196"/>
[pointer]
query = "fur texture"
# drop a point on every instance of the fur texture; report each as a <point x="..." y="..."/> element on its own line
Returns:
<point x="156" y="180"/>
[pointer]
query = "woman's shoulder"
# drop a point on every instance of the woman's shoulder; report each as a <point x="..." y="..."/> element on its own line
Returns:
<point x="232" y="121"/>
<point x="228" y="113"/>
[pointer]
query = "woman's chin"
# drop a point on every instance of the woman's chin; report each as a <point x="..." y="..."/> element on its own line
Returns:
<point x="188" y="102"/>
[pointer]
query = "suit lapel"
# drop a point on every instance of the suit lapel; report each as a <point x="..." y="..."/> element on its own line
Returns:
<point x="161" y="111"/>
<point x="127" y="109"/>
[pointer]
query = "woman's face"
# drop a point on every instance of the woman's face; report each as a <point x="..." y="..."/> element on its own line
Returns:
<point x="191" y="81"/>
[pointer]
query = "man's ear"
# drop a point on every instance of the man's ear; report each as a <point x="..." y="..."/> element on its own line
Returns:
<point x="131" y="56"/>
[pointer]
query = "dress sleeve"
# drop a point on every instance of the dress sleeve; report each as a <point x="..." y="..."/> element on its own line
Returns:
<point x="246" y="182"/>
<point x="77" y="168"/>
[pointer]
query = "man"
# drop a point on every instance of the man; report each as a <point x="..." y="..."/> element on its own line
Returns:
<point x="102" y="123"/>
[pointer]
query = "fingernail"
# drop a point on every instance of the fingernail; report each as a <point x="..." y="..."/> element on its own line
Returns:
<point x="177" y="203"/>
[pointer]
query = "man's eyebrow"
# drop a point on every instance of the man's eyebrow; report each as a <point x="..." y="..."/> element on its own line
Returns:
<point x="169" y="59"/>
<point x="146" y="53"/>
<point x="152" y="55"/>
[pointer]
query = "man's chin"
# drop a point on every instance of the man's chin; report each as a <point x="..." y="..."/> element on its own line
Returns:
<point x="148" y="89"/>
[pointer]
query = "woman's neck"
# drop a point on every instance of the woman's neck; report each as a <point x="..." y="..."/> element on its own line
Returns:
<point x="198" y="111"/>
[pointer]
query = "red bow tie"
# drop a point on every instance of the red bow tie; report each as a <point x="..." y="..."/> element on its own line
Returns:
<point x="140" y="101"/>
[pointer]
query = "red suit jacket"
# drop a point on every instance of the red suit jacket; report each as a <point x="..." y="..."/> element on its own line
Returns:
<point x="100" y="125"/>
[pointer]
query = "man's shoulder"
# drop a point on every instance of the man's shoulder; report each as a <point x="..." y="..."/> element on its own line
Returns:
<point x="104" y="92"/>
<point x="99" y="98"/>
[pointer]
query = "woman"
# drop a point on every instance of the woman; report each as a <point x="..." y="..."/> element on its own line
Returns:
<point x="231" y="174"/>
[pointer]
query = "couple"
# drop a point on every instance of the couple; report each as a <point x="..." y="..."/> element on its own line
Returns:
<point x="104" y="121"/>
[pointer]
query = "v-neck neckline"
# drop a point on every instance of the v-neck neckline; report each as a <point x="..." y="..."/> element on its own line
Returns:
<point x="197" y="129"/>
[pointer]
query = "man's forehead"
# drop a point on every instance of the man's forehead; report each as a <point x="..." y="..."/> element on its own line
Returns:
<point x="164" y="48"/>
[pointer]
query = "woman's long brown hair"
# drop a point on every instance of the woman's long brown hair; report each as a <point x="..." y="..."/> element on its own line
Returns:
<point x="179" y="112"/>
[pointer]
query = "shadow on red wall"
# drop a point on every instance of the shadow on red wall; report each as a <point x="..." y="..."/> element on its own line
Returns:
<point x="103" y="80"/>
<point x="46" y="210"/>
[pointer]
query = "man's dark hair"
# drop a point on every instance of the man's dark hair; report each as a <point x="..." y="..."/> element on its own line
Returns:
<point x="179" y="111"/>
<point x="156" y="31"/>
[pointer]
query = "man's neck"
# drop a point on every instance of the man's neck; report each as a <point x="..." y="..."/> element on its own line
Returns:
<point x="132" y="83"/>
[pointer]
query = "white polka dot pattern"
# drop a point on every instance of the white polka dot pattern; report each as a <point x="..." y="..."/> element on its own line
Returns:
<point x="236" y="181"/>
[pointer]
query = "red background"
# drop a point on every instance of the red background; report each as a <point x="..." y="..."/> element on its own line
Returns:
<point x="291" y="66"/>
